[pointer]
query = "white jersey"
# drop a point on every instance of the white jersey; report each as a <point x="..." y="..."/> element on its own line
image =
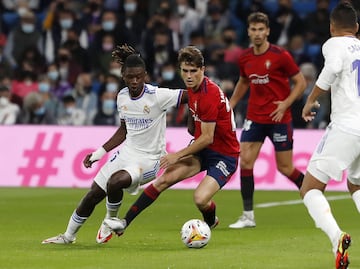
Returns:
<point x="341" y="73"/>
<point x="145" y="118"/>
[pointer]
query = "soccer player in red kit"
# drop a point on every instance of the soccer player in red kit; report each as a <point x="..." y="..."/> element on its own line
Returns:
<point x="267" y="69"/>
<point x="215" y="147"/>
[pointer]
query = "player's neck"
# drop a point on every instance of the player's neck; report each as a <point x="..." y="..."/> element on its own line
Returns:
<point x="260" y="49"/>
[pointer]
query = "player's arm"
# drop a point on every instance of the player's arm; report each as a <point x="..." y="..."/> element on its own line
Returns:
<point x="299" y="85"/>
<point x="311" y="102"/>
<point x="241" y="88"/>
<point x="206" y="138"/>
<point x="184" y="97"/>
<point x="117" y="138"/>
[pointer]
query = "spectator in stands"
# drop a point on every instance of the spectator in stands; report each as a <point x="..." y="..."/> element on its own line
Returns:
<point x="101" y="57"/>
<point x="135" y="22"/>
<point x="58" y="22"/>
<point x="285" y="24"/>
<point x="188" y="19"/>
<point x="79" y="54"/>
<point x="68" y="67"/>
<point x="214" y="23"/>
<point x="85" y="97"/>
<point x="9" y="111"/>
<point x="51" y="102"/>
<point x="21" y="37"/>
<point x="107" y="113"/>
<point x="92" y="17"/>
<point x="71" y="114"/>
<point x="110" y="25"/>
<point x="297" y="48"/>
<point x="34" y="111"/>
<point x="316" y="23"/>
<point x="232" y="50"/>
<point x="58" y="86"/>
<point x="5" y="66"/>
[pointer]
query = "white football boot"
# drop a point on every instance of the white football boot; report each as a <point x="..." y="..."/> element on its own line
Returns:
<point x="116" y="225"/>
<point x="59" y="239"/>
<point x="104" y="233"/>
<point x="245" y="221"/>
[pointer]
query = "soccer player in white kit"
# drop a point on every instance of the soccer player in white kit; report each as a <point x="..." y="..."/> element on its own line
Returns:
<point x="142" y="108"/>
<point x="339" y="148"/>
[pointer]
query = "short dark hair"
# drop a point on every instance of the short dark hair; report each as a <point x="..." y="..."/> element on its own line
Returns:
<point x="191" y="55"/>
<point x="258" y="17"/>
<point x="344" y="16"/>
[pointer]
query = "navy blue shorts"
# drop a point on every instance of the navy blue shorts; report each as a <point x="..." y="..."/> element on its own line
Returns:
<point x="280" y="134"/>
<point x="218" y="166"/>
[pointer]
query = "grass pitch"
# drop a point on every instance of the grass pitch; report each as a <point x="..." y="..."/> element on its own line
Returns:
<point x="285" y="236"/>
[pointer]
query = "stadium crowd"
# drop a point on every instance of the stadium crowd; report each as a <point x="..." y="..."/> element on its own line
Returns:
<point x="56" y="65"/>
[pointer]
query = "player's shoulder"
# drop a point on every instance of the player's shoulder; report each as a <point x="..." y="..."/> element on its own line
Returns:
<point x="277" y="49"/>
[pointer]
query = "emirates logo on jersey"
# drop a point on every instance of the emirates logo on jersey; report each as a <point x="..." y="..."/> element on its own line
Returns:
<point x="267" y="64"/>
<point x="146" y="109"/>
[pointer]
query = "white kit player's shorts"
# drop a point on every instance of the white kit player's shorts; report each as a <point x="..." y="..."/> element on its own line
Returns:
<point x="336" y="151"/>
<point x="141" y="168"/>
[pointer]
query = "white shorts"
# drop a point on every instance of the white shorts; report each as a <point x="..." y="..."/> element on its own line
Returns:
<point x="141" y="168"/>
<point x="336" y="151"/>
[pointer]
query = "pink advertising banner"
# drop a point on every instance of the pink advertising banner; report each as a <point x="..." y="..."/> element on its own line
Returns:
<point x="51" y="156"/>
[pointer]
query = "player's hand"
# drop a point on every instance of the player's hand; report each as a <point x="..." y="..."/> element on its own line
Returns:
<point x="307" y="113"/>
<point x="279" y="112"/>
<point x="87" y="163"/>
<point x="168" y="159"/>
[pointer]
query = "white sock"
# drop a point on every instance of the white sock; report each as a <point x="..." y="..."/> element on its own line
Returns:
<point x="112" y="209"/>
<point x="356" y="197"/>
<point x="249" y="214"/>
<point x="75" y="223"/>
<point x="319" y="210"/>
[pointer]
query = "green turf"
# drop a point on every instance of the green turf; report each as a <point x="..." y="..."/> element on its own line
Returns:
<point x="285" y="236"/>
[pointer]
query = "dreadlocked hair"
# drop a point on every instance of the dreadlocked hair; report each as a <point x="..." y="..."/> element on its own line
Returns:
<point x="127" y="56"/>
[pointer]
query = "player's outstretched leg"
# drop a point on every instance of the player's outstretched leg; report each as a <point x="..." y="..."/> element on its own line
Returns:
<point x="342" y="255"/>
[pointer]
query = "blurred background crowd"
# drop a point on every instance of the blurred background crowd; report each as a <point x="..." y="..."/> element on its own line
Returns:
<point x="55" y="55"/>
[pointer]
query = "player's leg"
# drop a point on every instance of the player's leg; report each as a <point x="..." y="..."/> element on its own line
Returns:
<point x="353" y="181"/>
<point x="87" y="204"/>
<point x="184" y="168"/>
<point x="281" y="136"/>
<point x="248" y="155"/>
<point x="203" y="195"/>
<point x="329" y="162"/>
<point x="219" y="169"/>
<point x="284" y="163"/>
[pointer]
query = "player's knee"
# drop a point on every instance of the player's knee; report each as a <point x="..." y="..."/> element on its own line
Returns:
<point x="118" y="181"/>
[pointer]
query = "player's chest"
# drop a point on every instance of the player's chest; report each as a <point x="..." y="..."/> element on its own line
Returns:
<point x="143" y="108"/>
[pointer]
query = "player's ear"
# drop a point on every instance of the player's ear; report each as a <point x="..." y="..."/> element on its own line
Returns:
<point x="357" y="27"/>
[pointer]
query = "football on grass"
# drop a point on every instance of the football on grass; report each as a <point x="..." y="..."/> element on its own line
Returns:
<point x="195" y="233"/>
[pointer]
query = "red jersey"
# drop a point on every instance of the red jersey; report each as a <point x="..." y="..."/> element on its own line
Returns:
<point x="209" y="104"/>
<point x="268" y="75"/>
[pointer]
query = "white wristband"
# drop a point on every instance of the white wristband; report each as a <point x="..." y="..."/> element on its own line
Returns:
<point x="98" y="154"/>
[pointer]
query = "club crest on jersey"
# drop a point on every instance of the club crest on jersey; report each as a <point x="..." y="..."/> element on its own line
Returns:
<point x="146" y="109"/>
<point x="267" y="64"/>
<point x="123" y="108"/>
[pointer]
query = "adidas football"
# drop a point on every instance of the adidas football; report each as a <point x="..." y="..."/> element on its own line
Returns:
<point x="195" y="233"/>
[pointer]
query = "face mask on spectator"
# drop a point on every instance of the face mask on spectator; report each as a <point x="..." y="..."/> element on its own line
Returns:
<point x="111" y="87"/>
<point x="116" y="72"/>
<point x="4" y="101"/>
<point x="181" y="10"/>
<point x="21" y="11"/>
<point x="168" y="75"/>
<point x="28" y="27"/>
<point x="44" y="87"/>
<point x="108" y="25"/>
<point x="108" y="106"/>
<point x="107" y="46"/>
<point x="40" y="111"/>
<point x="69" y="110"/>
<point x="66" y="23"/>
<point x="53" y="75"/>
<point x="130" y="7"/>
